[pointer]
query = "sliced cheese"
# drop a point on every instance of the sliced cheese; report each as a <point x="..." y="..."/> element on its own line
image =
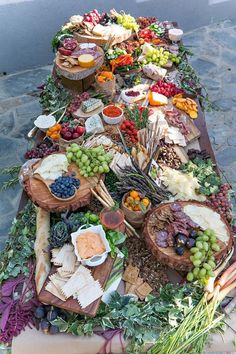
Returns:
<point x="208" y="219"/>
<point x="86" y="61"/>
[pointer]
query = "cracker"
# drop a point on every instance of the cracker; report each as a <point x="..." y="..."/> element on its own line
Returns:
<point x="131" y="274"/>
<point x="130" y="288"/>
<point x="68" y="264"/>
<point x="89" y="293"/>
<point x="63" y="273"/>
<point x="143" y="290"/>
<point x="63" y="253"/>
<point x="53" y="290"/>
<point x="78" y="280"/>
<point x="55" y="252"/>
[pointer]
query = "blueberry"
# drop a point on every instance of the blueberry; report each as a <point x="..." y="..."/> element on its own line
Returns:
<point x="179" y="250"/>
<point x="44" y="325"/>
<point x="190" y="243"/>
<point x="181" y="239"/>
<point x="193" y="234"/>
<point x="53" y="329"/>
<point x="52" y="315"/>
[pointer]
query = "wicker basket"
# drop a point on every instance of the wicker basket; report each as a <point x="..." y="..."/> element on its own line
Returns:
<point x="64" y="143"/>
<point x="135" y="218"/>
<point x="108" y="87"/>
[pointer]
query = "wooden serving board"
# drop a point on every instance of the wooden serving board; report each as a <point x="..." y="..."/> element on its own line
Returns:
<point x="100" y="273"/>
<point x="167" y="255"/>
<point x="40" y="195"/>
<point x="77" y="72"/>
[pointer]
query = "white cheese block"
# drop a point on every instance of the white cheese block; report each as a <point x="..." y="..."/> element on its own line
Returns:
<point x="94" y="124"/>
<point x="208" y="219"/>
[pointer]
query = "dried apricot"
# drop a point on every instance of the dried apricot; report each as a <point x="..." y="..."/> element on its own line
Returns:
<point x="134" y="194"/>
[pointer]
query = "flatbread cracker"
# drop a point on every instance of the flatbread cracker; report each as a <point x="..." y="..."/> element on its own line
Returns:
<point x="131" y="274"/>
<point x="63" y="253"/>
<point x="53" y="290"/>
<point x="69" y="261"/>
<point x="55" y="252"/>
<point x="88" y="294"/>
<point x="143" y="290"/>
<point x="64" y="274"/>
<point x="78" y="280"/>
<point x="130" y="288"/>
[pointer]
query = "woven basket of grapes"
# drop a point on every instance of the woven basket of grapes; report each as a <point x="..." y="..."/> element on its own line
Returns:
<point x="187" y="234"/>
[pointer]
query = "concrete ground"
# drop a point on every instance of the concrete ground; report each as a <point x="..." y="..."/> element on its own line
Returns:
<point x="214" y="47"/>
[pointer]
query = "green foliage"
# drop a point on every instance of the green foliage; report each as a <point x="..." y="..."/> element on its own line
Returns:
<point x="141" y="321"/>
<point x="204" y="171"/>
<point x="54" y="96"/>
<point x="13" y="180"/>
<point x="63" y="33"/>
<point x="115" y="238"/>
<point x="191" y="84"/>
<point x="19" y="245"/>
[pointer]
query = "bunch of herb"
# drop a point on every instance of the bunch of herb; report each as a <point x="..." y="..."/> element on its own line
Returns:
<point x="54" y="96"/>
<point x="12" y="172"/>
<point x="115" y="238"/>
<point x="19" y="245"/>
<point x="204" y="171"/>
<point x="139" y="115"/>
<point x="63" y="33"/>
<point x="141" y="322"/>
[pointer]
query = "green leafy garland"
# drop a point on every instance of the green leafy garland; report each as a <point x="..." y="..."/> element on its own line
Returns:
<point x="12" y="172"/>
<point x="19" y="245"/>
<point x="141" y="322"/>
<point x="54" y="96"/>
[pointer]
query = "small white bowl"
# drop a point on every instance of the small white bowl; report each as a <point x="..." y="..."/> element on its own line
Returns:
<point x="175" y="34"/>
<point x="96" y="259"/>
<point x="115" y="120"/>
<point x="44" y="122"/>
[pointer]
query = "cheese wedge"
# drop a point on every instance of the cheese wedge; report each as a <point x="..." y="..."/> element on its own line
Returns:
<point x="86" y="61"/>
<point x="156" y="99"/>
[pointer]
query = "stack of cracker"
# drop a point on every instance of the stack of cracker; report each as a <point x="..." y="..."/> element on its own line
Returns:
<point x="72" y="279"/>
<point x="135" y="284"/>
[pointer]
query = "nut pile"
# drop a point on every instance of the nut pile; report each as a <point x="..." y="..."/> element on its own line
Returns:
<point x="168" y="156"/>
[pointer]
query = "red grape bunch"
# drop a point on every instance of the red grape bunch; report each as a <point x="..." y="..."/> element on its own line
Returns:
<point x="221" y="202"/>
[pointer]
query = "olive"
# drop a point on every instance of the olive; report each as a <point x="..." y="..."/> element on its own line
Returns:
<point x="39" y="312"/>
<point x="193" y="234"/>
<point x="181" y="239"/>
<point x="190" y="243"/>
<point x="179" y="250"/>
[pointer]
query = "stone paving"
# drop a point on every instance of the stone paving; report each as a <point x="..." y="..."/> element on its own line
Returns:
<point x="214" y="49"/>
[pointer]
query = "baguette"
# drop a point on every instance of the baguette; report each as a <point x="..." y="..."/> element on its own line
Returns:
<point x="41" y="248"/>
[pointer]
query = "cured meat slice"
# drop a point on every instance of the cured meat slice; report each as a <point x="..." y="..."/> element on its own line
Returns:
<point x="161" y="238"/>
<point x="176" y="207"/>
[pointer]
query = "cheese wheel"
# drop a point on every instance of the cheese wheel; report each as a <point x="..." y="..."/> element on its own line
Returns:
<point x="86" y="61"/>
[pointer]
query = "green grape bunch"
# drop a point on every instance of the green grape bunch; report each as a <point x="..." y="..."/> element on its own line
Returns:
<point x="160" y="57"/>
<point x="90" y="161"/>
<point x="202" y="256"/>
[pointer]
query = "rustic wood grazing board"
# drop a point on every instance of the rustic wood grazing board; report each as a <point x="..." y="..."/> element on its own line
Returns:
<point x="77" y="72"/>
<point x="100" y="273"/>
<point x="167" y="255"/>
<point x="39" y="193"/>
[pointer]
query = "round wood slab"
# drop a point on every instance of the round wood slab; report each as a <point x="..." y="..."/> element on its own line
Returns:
<point x="167" y="255"/>
<point x="77" y="72"/>
<point x="41" y="196"/>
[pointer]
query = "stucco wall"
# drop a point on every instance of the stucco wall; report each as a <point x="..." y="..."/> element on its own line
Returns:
<point x="26" y="27"/>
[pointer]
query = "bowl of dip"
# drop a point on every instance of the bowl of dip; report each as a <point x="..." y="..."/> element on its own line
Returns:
<point x="175" y="34"/>
<point x="112" y="114"/>
<point x="44" y="122"/>
<point x="90" y="244"/>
